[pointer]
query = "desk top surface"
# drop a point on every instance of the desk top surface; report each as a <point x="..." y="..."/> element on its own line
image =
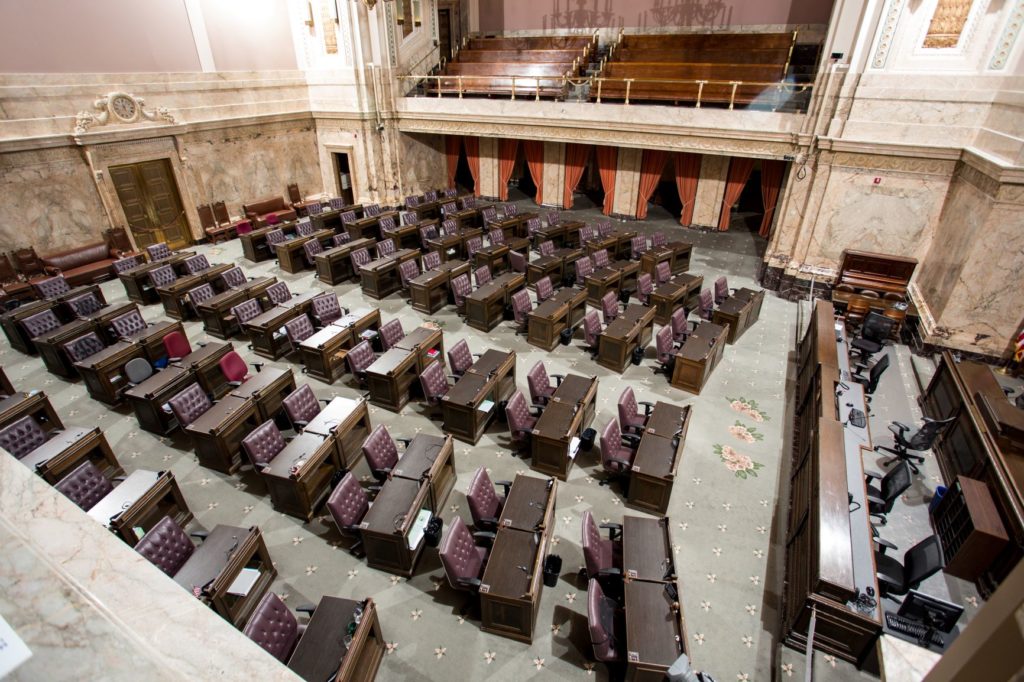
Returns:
<point x="60" y="441"/>
<point x="393" y="508"/>
<point x="356" y="318"/>
<point x="212" y="556"/>
<point x="392" y="361"/>
<point x="111" y="352"/>
<point x="296" y="453"/>
<point x="419" y="458"/>
<point x="574" y="388"/>
<point x="468" y="390"/>
<point x="333" y="413"/>
<point x="124" y="495"/>
<point x="666" y="419"/>
<point x="156" y="383"/>
<point x="225" y="408"/>
<point x="261" y="381"/>
<point x="419" y="336"/>
<point x="491" y="360"/>
<point x="701" y="342"/>
<point x="527" y="502"/>
<point x="321" y="648"/>
<point x="556" y="420"/>
<point x="211" y="351"/>
<point x="655" y="457"/>
<point x="326" y="335"/>
<point x="652" y="624"/>
<point x="510" y="566"/>
<point x="646" y="549"/>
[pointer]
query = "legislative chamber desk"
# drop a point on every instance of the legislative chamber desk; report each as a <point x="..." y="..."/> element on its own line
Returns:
<point x="322" y="654"/>
<point x="299" y="477"/>
<point x="618" y="275"/>
<point x="136" y="280"/>
<point x="268" y="341"/>
<point x="35" y="404"/>
<point x="324" y="353"/>
<point x="485" y="307"/>
<point x="50" y="346"/>
<point x="431" y="290"/>
<point x="267" y="390"/>
<point x="556" y="266"/>
<point x="390" y="377"/>
<point x="407" y="236"/>
<point x="149" y="400"/>
<point x="151" y="339"/>
<point x="556" y="435"/>
<point x="494" y="258"/>
<point x="740" y="311"/>
<point x="392" y="529"/>
<point x="65" y="450"/>
<point x="657" y="457"/>
<point x="511" y="586"/>
<point x="632" y="329"/>
<point x="216" y="311"/>
<point x="698" y="357"/>
<point x="217" y="434"/>
<point x="513" y="226"/>
<point x="368" y="227"/>
<point x="562" y="311"/>
<point x="428" y="345"/>
<point x="16" y="334"/>
<point x="450" y="246"/>
<point x="565" y="233"/>
<point x="380" y="277"/>
<point x="254" y="244"/>
<point x="829" y="551"/>
<point x="334" y="265"/>
<point x="473" y="401"/>
<point x="204" y="363"/>
<point x="984" y="444"/>
<point x="291" y="256"/>
<point x="218" y="560"/>
<point x="676" y="254"/>
<point x="348" y="421"/>
<point x="103" y="372"/>
<point x="429" y="458"/>
<point x="682" y="291"/>
<point x="174" y="295"/>
<point x="137" y="503"/>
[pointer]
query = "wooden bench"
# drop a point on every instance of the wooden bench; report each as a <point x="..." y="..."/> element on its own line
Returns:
<point x="757" y="73"/>
<point x="717" y="55"/>
<point x="530" y="43"/>
<point x="518" y="56"/>
<point x="733" y="41"/>
<point x="712" y="92"/>
<point x="530" y="70"/>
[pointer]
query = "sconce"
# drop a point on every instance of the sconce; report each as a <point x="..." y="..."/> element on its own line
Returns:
<point x="309" y="8"/>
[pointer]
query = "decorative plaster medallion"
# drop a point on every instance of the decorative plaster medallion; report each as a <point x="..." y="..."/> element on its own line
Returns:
<point x="118" y="107"/>
<point x="1009" y="36"/>
<point x="892" y="17"/>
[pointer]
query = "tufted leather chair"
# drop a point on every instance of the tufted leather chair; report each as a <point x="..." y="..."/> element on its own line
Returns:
<point x="380" y="451"/>
<point x="463" y="561"/>
<point x="541" y="389"/>
<point x="123" y="264"/>
<point x="666" y="348"/>
<point x="310" y="249"/>
<point x="545" y="290"/>
<point x="385" y="248"/>
<point x="298" y="330"/>
<point x="610" y="306"/>
<point x="473" y="244"/>
<point x="275" y="237"/>
<point x="461" y="288"/>
<point x="629" y="411"/>
<point x="279" y="293"/>
<point x="341" y="238"/>
<point x="40" y="323"/>
<point x="484" y="502"/>
<point x="177" y="346"/>
<point x="51" y="287"/>
<point x="412" y="200"/>
<point x="22" y="436"/>
<point x="85" y="485"/>
<point x="301" y="405"/>
<point x="449" y="207"/>
<point x="468" y="201"/>
<point x="604" y="228"/>
<point x="408" y="270"/>
<point x="587" y="233"/>
<point x="426" y="234"/>
<point x="489" y="215"/>
<point x="434" y="383"/>
<point x="189" y="405"/>
<point x="263" y="444"/>
<point x="707" y="305"/>
<point x="326" y="309"/>
<point x="84" y="346"/>
<point x="348" y="217"/>
<point x="371" y="210"/>
<point x="482" y="275"/>
<point x="460" y="358"/>
<point x="166" y="546"/>
<point x="546" y="248"/>
<point x="305" y="228"/>
<point x="510" y="210"/>
<point x="348" y="504"/>
<point x="591" y="331"/>
<point x="84" y="304"/>
<point x="197" y="295"/>
<point x="359" y="358"/>
<point x="196" y="264"/>
<point x="158" y="251"/>
<point x="644" y="287"/>
<point x="663" y="272"/>
<point x="162" y="276"/>
<point x="497" y="237"/>
<point x="680" y="326"/>
<point x="246" y="310"/>
<point x="521" y="307"/>
<point x="391" y="332"/>
<point x="600" y="258"/>
<point x="410" y="218"/>
<point x="721" y="289"/>
<point x="431" y="260"/>
<point x="128" y="325"/>
<point x="517" y="261"/>
<point x="359" y="258"/>
<point x="584" y="268"/>
<point x="603" y="556"/>
<point x="552" y="217"/>
<point x="616" y="458"/>
<point x="449" y="226"/>
<point x="638" y="245"/>
<point x="658" y="239"/>
<point x="603" y="621"/>
<point x="520" y="421"/>
<point x="450" y="192"/>
<point x="387" y="224"/>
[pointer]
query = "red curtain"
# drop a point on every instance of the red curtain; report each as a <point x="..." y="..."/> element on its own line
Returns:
<point x="575" y="161"/>
<point x="506" y="163"/>
<point x="607" y="159"/>
<point x="473" y="158"/>
<point x="687" y="175"/>
<point x="739" y="173"/>
<point x="452" y="147"/>
<point x="534" y="150"/>
<point x="771" y="186"/>
<point x="652" y="163"/>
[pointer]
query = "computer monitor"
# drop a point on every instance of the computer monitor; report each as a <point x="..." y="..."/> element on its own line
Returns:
<point x="933" y="613"/>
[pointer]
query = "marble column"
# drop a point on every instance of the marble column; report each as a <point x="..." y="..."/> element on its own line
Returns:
<point x="707" y="206"/>
<point x="489" y="175"/>
<point x="627" y="182"/>
<point x="554" y="173"/>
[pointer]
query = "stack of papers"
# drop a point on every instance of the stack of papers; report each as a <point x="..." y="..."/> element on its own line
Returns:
<point x="486" y="406"/>
<point x="574" y="447"/>
<point x="244" y="581"/>
<point x="417" y="529"/>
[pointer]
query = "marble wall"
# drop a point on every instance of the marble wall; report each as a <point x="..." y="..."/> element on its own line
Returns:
<point x="423" y="163"/>
<point x="707" y="204"/>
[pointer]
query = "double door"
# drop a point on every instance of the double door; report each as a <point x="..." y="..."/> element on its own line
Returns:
<point x="151" y="203"/>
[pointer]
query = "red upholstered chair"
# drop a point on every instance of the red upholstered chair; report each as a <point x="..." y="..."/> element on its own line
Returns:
<point x="482" y="275"/>
<point x="546" y="248"/>
<point x="484" y="502"/>
<point x="680" y="325"/>
<point x="301" y="405"/>
<point x="177" y="346"/>
<point x="666" y="350"/>
<point x="348" y="504"/>
<point x="271" y="219"/>
<point x="460" y="358"/>
<point x="544" y="289"/>
<point x="617" y="451"/>
<point x="461" y="288"/>
<point x="520" y="419"/>
<point x="521" y="307"/>
<point x="629" y="411"/>
<point x="541" y="389"/>
<point x="591" y="332"/>
<point x="243" y="227"/>
<point x="644" y="287"/>
<point x="234" y="369"/>
<point x="274" y="627"/>
<point x="391" y="333"/>
<point x="381" y="452"/>
<point x="263" y="444"/>
<point x="707" y="305"/>
<point x="431" y="260"/>
<point x="606" y="625"/>
<point x="610" y="306"/>
<point x="359" y="358"/>
<point x="603" y="556"/>
<point x="663" y="272"/>
<point x="462" y="559"/>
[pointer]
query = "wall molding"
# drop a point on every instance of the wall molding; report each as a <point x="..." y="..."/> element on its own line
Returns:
<point x="1008" y="38"/>
<point x="886" y="33"/>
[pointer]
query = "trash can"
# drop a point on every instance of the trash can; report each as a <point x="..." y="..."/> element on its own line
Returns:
<point x="940" y="491"/>
<point x="552" y="568"/>
<point x="624" y="296"/>
<point x="565" y="337"/>
<point x="432" y="533"/>
<point x="587" y="439"/>
<point x="638" y="355"/>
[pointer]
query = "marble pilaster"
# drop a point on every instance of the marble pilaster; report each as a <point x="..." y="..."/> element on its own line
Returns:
<point x="489" y="167"/>
<point x="554" y="173"/>
<point x="707" y="206"/>
<point x="627" y="182"/>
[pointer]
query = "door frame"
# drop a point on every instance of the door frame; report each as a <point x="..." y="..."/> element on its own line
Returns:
<point x="135" y="169"/>
<point x="454" y="8"/>
<point x="334" y="186"/>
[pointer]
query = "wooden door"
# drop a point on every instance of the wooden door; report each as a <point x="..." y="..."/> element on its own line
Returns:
<point x="444" y="31"/>
<point x="151" y="203"/>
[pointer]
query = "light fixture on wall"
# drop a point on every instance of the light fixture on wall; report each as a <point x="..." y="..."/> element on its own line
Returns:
<point x="370" y="4"/>
<point x="309" y="8"/>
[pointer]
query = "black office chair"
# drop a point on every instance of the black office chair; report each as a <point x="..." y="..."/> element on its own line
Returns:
<point x="874" y="332"/>
<point x="921" y="562"/>
<point x="874" y="375"/>
<point x="882" y="497"/>
<point x="918" y="440"/>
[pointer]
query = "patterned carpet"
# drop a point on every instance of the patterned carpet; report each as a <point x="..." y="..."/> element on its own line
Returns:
<point x="725" y="508"/>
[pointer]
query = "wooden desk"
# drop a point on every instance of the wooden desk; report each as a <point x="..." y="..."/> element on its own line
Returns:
<point x="136" y="280"/>
<point x="740" y="311"/>
<point x="453" y="246"/>
<point x="50" y="347"/>
<point x="647" y="549"/>
<point x="655" y="635"/>
<point x="565" y="233"/>
<point x="267" y="390"/>
<point x="264" y="330"/>
<point x="430" y="458"/>
<point x="530" y="505"/>
<point x="103" y="372"/>
<point x="562" y="311"/>
<point x="633" y="328"/>
<point x="291" y="256"/>
<point x="680" y="291"/>
<point x="334" y="265"/>
<point x="485" y="307"/>
<point x="16" y="334"/>
<point x="600" y="282"/>
<point x="657" y="457"/>
<point x="494" y="257"/>
<point x="217" y="434"/>
<point x="299" y="477"/>
<point x="510" y="596"/>
<point x="67" y="449"/>
<point x="139" y="502"/>
<point x="218" y="561"/>
<point x="347" y="422"/>
<point x="555" y="266"/>
<point x="622" y="245"/>
<point x="392" y="529"/>
<point x="216" y="311"/>
<point x="324" y="353"/>
<point x="254" y="244"/>
<point x="428" y="345"/>
<point x="369" y="226"/>
<point x="407" y="236"/>
<point x="431" y="290"/>
<point x="203" y="362"/>
<point x="321" y="653"/>
<point x="676" y="254"/>
<point x="380" y="277"/>
<point x="698" y="357"/>
<point x="173" y="295"/>
<point x="556" y="435"/>
<point x="390" y="377"/>
<point x="35" y="403"/>
<point x="628" y="271"/>
<point x="149" y="398"/>
<point x="473" y="401"/>
<point x="514" y="226"/>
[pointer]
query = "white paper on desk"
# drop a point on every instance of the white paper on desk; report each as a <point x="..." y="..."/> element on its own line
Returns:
<point x="13" y="651"/>
<point x="244" y="581"/>
<point x="574" y="447"/>
<point x="486" y="406"/>
<point x="368" y="334"/>
<point x="418" y="527"/>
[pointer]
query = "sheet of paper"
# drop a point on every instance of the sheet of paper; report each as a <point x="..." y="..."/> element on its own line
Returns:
<point x="13" y="651"/>
<point x="244" y="581"/>
<point x="486" y="406"/>
<point x="574" y="447"/>
<point x="418" y="527"/>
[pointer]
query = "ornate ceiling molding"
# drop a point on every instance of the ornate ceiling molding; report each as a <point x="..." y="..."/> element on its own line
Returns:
<point x="1008" y="37"/>
<point x="888" y="30"/>
<point x="118" y="108"/>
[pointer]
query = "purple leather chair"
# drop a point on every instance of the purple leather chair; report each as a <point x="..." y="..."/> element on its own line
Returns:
<point x="603" y="556"/>
<point x="166" y="546"/>
<point x="246" y="310"/>
<point x="616" y="456"/>
<point x="359" y="358"/>
<point x="460" y="358"/>
<point x="520" y="420"/>
<point x="124" y="264"/>
<point x="591" y="331"/>
<point x="301" y="405"/>
<point x="274" y="627"/>
<point x="341" y="238"/>
<point x="196" y="264"/>
<point x="391" y="333"/>
<point x="460" y="290"/>
<point x="484" y="502"/>
<point x="663" y="272"/>
<point x="489" y="215"/>
<point x="359" y="258"/>
<point x="510" y="210"/>
<point x="434" y="383"/>
<point x="517" y="261"/>
<point x="196" y="295"/>
<point x="587" y="234"/>
<point x="482" y="275"/>
<point x="426" y="234"/>
<point x="410" y="218"/>
<point x="629" y="411"/>
<point x="81" y="348"/>
<point x="448" y="208"/>
<point x="449" y="226"/>
<point x="40" y="323"/>
<point x="707" y="305"/>
<point x="279" y="293"/>
<point x="158" y="251"/>
<point x="497" y="237"/>
<point x="546" y="248"/>
<point x="385" y="248"/>
<point x="51" y="287"/>
<point x="128" y="325"/>
<point x="584" y="268"/>
<point x="348" y="504"/>
<point x="666" y="349"/>
<point x="601" y="259"/>
<point x="680" y="325"/>
<point x="473" y="244"/>
<point x="638" y="246"/>
<point x="371" y="210"/>
<point x="644" y="287"/>
<point x="85" y="485"/>
<point x="304" y="228"/>
<point x="162" y="276"/>
<point x="233" y="278"/>
<point x="298" y="330"/>
<point x="462" y="559"/>
<point x="539" y="383"/>
<point x="521" y="307"/>
<point x="604" y="621"/>
<point x="387" y="224"/>
<point x="189" y="404"/>
<point x="552" y="217"/>
<point x="326" y="309"/>
<point x="84" y="304"/>
<point x="431" y="260"/>
<point x="275" y="237"/>
<point x="610" y="306"/>
<point x="407" y="271"/>
<point x="604" y="228"/>
<point x="659" y="239"/>
<point x="545" y="290"/>
<point x="721" y="289"/>
<point x="310" y="249"/>
<point x="381" y="452"/>
<point x="532" y="225"/>
<point x="263" y="444"/>
<point x="347" y="217"/>
<point x="22" y="436"/>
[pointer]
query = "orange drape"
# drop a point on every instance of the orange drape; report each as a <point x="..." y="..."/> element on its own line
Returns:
<point x="652" y="163"/>
<point x="607" y="159"/>
<point x="473" y="158"/>
<point x="771" y="185"/>
<point x="687" y="174"/>
<point x="739" y="173"/>
<point x="575" y="162"/>
<point x="535" y="162"/>
<point x="506" y="164"/>
<point x="452" y="147"/>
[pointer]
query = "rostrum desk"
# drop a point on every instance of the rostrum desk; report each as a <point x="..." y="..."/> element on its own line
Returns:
<point x="473" y="401"/>
<point x="555" y="440"/>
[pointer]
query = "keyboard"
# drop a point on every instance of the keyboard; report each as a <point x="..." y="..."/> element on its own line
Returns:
<point x="910" y="628"/>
